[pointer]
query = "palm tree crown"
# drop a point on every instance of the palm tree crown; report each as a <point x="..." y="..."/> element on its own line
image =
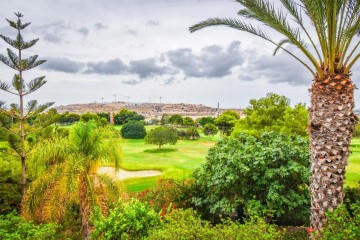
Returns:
<point x="336" y="23"/>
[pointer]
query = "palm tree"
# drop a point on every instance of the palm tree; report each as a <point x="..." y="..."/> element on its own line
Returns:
<point x="66" y="171"/>
<point x="331" y="52"/>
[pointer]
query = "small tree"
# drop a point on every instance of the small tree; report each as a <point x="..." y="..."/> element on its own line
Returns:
<point x="210" y="129"/>
<point x="226" y="121"/>
<point x="192" y="133"/>
<point x="176" y="119"/>
<point x="188" y="121"/>
<point x="161" y="135"/>
<point x="126" y="115"/>
<point x="21" y="88"/>
<point x="205" y="120"/>
<point x="133" y="130"/>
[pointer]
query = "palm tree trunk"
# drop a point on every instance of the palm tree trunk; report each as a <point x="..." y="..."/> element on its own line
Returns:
<point x="84" y="207"/>
<point x="332" y="124"/>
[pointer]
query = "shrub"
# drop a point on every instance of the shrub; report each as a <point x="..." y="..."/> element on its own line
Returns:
<point x="341" y="225"/>
<point x="131" y="220"/>
<point x="126" y="115"/>
<point x="249" y="176"/>
<point x="206" y="120"/>
<point x="167" y="194"/>
<point x="188" y="121"/>
<point x="133" y="130"/>
<point x="186" y="224"/>
<point x="13" y="227"/>
<point x="176" y="119"/>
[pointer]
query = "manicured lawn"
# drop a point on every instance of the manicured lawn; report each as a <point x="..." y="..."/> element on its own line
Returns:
<point x="353" y="169"/>
<point x="176" y="162"/>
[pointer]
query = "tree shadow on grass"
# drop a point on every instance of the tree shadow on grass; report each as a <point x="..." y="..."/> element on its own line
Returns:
<point x="163" y="150"/>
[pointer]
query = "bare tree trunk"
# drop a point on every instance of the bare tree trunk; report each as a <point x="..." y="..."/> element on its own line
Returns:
<point x="332" y="124"/>
<point x="84" y="207"/>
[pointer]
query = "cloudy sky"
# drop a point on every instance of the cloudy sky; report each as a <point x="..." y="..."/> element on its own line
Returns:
<point x="141" y="50"/>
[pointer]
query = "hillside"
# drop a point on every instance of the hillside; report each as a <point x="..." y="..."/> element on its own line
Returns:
<point x="149" y="110"/>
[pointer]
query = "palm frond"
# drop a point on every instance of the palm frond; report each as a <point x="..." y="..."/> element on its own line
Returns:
<point x="239" y="25"/>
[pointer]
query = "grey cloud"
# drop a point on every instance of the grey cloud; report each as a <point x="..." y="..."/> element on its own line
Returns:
<point x="132" y="32"/>
<point x="152" y="22"/>
<point x="212" y="62"/>
<point x="277" y="69"/>
<point x="100" y="26"/>
<point x="111" y="67"/>
<point x="57" y="31"/>
<point x="62" y="65"/>
<point x="148" y="68"/>
<point x="131" y="82"/>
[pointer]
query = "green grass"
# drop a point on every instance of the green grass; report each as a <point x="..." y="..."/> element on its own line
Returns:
<point x="175" y="162"/>
<point x="353" y="169"/>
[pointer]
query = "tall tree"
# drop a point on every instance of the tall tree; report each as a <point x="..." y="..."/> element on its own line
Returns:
<point x="66" y="171"/>
<point x="21" y="88"/>
<point x="327" y="40"/>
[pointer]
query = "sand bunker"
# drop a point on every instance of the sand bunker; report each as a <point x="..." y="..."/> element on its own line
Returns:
<point x="123" y="174"/>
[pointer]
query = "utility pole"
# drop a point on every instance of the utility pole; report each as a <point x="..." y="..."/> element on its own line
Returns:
<point x="160" y="99"/>
<point x="115" y="97"/>
<point x="102" y="100"/>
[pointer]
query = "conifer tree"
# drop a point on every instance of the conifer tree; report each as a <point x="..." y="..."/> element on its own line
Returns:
<point x="20" y="88"/>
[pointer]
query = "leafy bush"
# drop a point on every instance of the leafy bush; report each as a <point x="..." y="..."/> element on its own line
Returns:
<point x="188" y="121"/>
<point x="175" y="119"/>
<point x="226" y="121"/>
<point x="186" y="224"/>
<point x="133" y="130"/>
<point x="250" y="176"/>
<point x="10" y="187"/>
<point x="341" y="225"/>
<point x="13" y="227"/>
<point x="131" y="220"/>
<point x="167" y="194"/>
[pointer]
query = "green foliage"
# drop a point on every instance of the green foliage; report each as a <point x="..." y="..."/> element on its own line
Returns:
<point x="167" y="194"/>
<point x="341" y="224"/>
<point x="10" y="188"/>
<point x="175" y="119"/>
<point x="89" y="116"/>
<point x="68" y="118"/>
<point x="186" y="224"/>
<point x="210" y="129"/>
<point x="133" y="130"/>
<point x="125" y="116"/>
<point x="131" y="220"/>
<point x="205" y="120"/>
<point x="273" y="113"/>
<point x="13" y="227"/>
<point x="162" y="135"/>
<point x="104" y="115"/>
<point x="188" y="121"/>
<point x="192" y="133"/>
<point x="226" y="121"/>
<point x="247" y="176"/>
<point x="357" y="130"/>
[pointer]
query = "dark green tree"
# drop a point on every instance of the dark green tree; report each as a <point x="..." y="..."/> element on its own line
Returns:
<point x="176" y="119"/>
<point x="192" y="133"/>
<point x="161" y="135"/>
<point x="188" y="122"/>
<point x="326" y="34"/>
<point x="21" y="88"/>
<point x="205" y="120"/>
<point x="133" y="130"/>
<point x="126" y="115"/>
<point x="210" y="129"/>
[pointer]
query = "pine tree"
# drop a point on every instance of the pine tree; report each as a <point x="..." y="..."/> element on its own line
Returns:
<point x="21" y="88"/>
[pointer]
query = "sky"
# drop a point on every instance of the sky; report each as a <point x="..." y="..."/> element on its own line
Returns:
<point x="142" y="51"/>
